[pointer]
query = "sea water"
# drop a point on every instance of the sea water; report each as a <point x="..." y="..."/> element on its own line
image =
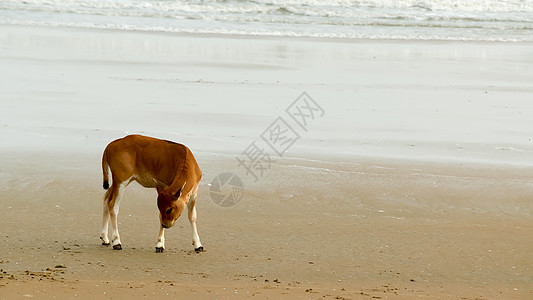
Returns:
<point x="470" y="20"/>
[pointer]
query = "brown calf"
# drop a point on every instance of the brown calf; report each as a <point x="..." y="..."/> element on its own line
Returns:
<point x="167" y="166"/>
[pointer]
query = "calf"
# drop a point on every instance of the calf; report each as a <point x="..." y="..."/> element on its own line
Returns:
<point x="167" y="166"/>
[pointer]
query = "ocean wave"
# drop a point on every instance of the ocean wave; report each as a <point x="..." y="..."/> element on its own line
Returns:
<point x="433" y="5"/>
<point x="406" y="19"/>
<point x="311" y="7"/>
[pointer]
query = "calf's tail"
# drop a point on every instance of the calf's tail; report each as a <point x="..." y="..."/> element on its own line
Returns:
<point x="105" y="169"/>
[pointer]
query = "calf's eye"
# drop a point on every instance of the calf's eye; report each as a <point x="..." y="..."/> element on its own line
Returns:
<point x="169" y="211"/>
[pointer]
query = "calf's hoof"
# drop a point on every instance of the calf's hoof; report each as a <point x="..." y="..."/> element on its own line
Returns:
<point x="159" y="249"/>
<point x="104" y="242"/>
<point x="117" y="247"/>
<point x="199" y="249"/>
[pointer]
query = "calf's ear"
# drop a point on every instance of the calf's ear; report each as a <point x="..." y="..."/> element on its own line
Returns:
<point x="178" y="194"/>
<point x="160" y="186"/>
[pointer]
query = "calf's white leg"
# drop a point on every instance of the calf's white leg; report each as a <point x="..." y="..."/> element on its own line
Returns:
<point x="192" y="219"/>
<point x="105" y="224"/>
<point x="160" y="245"/>
<point x="113" y="208"/>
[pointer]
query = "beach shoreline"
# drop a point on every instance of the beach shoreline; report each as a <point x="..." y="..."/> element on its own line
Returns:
<point x="229" y="35"/>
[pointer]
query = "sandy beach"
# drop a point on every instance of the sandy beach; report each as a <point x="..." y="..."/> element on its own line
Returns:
<point x="415" y="182"/>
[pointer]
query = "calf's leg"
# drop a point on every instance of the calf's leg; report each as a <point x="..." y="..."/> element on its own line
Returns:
<point x="160" y="245"/>
<point x="113" y="208"/>
<point x="105" y="219"/>
<point x="192" y="219"/>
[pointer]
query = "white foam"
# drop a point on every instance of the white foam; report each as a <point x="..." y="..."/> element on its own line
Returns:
<point x="484" y="20"/>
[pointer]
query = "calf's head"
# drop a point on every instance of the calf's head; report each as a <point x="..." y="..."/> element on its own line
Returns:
<point x="170" y="203"/>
